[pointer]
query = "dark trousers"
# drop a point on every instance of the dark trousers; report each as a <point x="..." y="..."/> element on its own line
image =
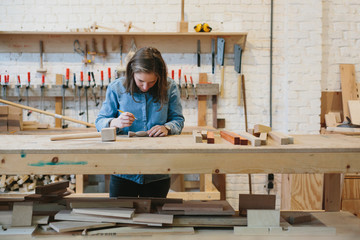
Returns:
<point x="120" y="187"/>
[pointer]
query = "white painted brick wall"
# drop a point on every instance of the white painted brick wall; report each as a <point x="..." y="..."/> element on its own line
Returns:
<point x="311" y="38"/>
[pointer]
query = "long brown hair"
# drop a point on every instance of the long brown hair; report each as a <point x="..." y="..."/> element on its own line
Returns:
<point x="148" y="60"/>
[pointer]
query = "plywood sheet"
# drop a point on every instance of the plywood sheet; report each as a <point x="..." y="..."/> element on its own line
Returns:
<point x="307" y="191"/>
<point x="354" y="109"/>
<point x="351" y="188"/>
<point x="330" y="102"/>
<point x="22" y="214"/>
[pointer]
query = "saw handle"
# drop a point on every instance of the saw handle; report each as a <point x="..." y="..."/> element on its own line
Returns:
<point x="75" y="136"/>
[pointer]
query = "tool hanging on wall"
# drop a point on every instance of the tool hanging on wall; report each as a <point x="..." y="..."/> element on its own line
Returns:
<point x="18" y="86"/>
<point x="193" y="87"/>
<point x="237" y="58"/>
<point x="109" y="76"/>
<point x="173" y="74"/>
<point x="4" y="87"/>
<point x="74" y="89"/>
<point x="42" y="89"/>
<point x="198" y="53"/>
<point x="27" y="94"/>
<point x="41" y="69"/>
<point x="79" y="91"/>
<point x="220" y="59"/>
<point x="86" y="97"/>
<point x="186" y="88"/>
<point x="101" y="86"/>
<point x="65" y="85"/>
<point x="93" y="90"/>
<point x="46" y="113"/>
<point x="120" y="70"/>
<point x="179" y="80"/>
<point x="213" y="56"/>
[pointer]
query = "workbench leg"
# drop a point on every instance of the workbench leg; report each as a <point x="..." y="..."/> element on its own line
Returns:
<point x="177" y="182"/>
<point x="219" y="181"/>
<point x="332" y="192"/>
<point x="214" y="111"/>
<point x="79" y="183"/>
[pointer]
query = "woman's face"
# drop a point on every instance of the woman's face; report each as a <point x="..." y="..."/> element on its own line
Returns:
<point x="145" y="81"/>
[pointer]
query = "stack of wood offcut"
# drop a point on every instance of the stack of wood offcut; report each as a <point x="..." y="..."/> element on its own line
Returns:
<point x="11" y="119"/>
<point x="256" y="136"/>
<point x="27" y="183"/>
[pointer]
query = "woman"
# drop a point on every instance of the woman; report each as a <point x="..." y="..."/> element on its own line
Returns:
<point x="150" y="102"/>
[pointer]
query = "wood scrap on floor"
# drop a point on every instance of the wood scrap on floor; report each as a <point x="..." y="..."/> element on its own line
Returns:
<point x="107" y="212"/>
<point x="153" y="218"/>
<point x="68" y="226"/>
<point x="22" y="214"/>
<point x="142" y="231"/>
<point x="14" y="231"/>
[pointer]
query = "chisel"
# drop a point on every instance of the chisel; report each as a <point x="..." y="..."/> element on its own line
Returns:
<point x="74" y="86"/>
<point x="5" y="86"/>
<point x="18" y="86"/>
<point x="93" y="89"/>
<point x="213" y="56"/>
<point x="27" y="94"/>
<point x="86" y="97"/>
<point x="198" y="53"/>
<point x="42" y="87"/>
<point x="79" y="91"/>
<point x="220" y="55"/>
<point x="101" y="86"/>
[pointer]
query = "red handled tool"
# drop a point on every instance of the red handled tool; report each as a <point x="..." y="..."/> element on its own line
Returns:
<point x="27" y="94"/>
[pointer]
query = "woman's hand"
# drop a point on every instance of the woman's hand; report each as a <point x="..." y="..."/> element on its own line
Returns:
<point x="158" y="131"/>
<point x="124" y="120"/>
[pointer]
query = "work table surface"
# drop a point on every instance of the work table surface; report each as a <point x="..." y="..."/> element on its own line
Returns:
<point x="177" y="154"/>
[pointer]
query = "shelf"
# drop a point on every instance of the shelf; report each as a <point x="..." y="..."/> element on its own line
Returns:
<point x="167" y="42"/>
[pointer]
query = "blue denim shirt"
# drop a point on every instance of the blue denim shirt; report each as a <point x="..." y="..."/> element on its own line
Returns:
<point x="147" y="115"/>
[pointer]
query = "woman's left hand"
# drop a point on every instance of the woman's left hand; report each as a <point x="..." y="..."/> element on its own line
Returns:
<point x="158" y="131"/>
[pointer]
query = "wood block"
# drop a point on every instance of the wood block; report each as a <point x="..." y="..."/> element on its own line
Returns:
<point x="354" y="109"/>
<point x="258" y="128"/>
<point x="280" y="138"/>
<point x="230" y="137"/>
<point x="330" y="120"/>
<point x="204" y="134"/>
<point x="255" y="141"/>
<point x="337" y="116"/>
<point x="22" y="214"/>
<point x="348" y="86"/>
<point x="220" y="122"/>
<point x="68" y="226"/>
<point x="210" y="138"/>
<point x="197" y="136"/>
<point x="109" y="212"/>
<point x="256" y="201"/>
<point x="263" y="138"/>
<point x="108" y="134"/>
<point x="263" y="218"/>
<point x="52" y="187"/>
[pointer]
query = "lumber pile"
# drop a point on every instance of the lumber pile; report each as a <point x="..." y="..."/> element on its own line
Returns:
<point x="28" y="183"/>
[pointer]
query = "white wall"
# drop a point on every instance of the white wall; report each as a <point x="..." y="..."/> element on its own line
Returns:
<point x="310" y="39"/>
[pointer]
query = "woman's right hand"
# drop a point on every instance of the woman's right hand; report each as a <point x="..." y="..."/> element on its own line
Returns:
<point x="124" y="120"/>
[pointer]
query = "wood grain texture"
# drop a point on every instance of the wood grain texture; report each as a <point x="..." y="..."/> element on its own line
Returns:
<point x="306" y="191"/>
<point x="354" y="111"/>
<point x="330" y="102"/>
<point x="351" y="188"/>
<point x="230" y="137"/>
<point x="348" y="86"/>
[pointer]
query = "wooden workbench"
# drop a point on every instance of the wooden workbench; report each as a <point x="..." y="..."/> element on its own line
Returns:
<point x="36" y="154"/>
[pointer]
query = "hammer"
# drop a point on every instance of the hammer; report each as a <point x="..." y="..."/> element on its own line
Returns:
<point x="106" y="134"/>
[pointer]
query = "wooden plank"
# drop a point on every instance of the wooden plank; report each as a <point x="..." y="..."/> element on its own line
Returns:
<point x="66" y="215"/>
<point x="192" y="207"/>
<point x="354" y="111"/>
<point x="52" y="187"/>
<point x="22" y="214"/>
<point x="79" y="183"/>
<point x="142" y="231"/>
<point x="256" y="201"/>
<point x="202" y="102"/>
<point x="109" y="212"/>
<point x="330" y="102"/>
<point x="306" y="191"/>
<point x="195" y="195"/>
<point x="348" y="86"/>
<point x="332" y="193"/>
<point x="263" y="138"/>
<point x="14" y="231"/>
<point x="263" y="218"/>
<point x="351" y="205"/>
<point x="153" y="218"/>
<point x="214" y="111"/>
<point x="230" y="137"/>
<point x="68" y="226"/>
<point x="209" y="221"/>
<point x="113" y="204"/>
